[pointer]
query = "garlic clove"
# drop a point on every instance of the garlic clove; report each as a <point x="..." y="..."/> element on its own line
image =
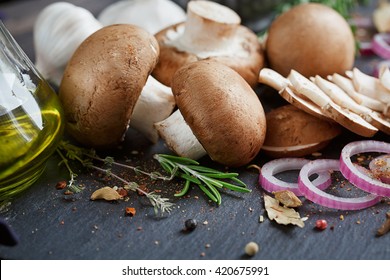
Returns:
<point x="58" y="31"/>
<point x="152" y="15"/>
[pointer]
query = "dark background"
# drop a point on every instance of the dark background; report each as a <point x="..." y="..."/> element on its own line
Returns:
<point x="51" y="225"/>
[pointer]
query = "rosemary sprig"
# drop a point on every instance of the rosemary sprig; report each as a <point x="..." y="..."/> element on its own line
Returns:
<point x="209" y="180"/>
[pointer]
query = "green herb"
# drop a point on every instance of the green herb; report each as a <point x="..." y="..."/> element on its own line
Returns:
<point x="87" y="157"/>
<point x="208" y="180"/>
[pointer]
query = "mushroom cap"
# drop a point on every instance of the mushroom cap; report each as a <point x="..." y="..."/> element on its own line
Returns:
<point x="293" y="132"/>
<point x="222" y="110"/>
<point x="102" y="83"/>
<point x="311" y="38"/>
<point x="171" y="59"/>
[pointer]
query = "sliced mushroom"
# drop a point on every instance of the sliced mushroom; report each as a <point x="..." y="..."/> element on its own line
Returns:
<point x="370" y="86"/>
<point x="273" y="79"/>
<point x="155" y="104"/>
<point x="347" y="85"/>
<point x="222" y="110"/>
<point x="349" y="120"/>
<point x="384" y="76"/>
<point x="211" y="31"/>
<point x="340" y="97"/>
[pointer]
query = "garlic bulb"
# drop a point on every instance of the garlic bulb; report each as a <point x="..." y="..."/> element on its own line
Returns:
<point x="152" y="15"/>
<point x="58" y="31"/>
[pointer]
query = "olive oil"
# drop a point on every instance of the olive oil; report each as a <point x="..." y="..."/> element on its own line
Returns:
<point x="30" y="128"/>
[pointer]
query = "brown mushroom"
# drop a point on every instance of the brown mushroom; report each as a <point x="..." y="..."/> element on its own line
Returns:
<point x="221" y="109"/>
<point x="102" y="83"/>
<point x="292" y="132"/>
<point x="312" y="39"/>
<point x="213" y="32"/>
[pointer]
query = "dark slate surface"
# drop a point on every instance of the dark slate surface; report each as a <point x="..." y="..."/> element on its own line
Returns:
<point x="51" y="225"/>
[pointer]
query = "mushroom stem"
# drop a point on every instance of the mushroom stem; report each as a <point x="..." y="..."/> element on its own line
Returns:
<point x="179" y="137"/>
<point x="209" y="29"/>
<point x="155" y="104"/>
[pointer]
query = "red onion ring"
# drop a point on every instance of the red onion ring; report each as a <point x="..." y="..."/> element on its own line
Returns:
<point x="325" y="199"/>
<point x="380" y="168"/>
<point x="381" y="45"/>
<point x="353" y="174"/>
<point x="271" y="184"/>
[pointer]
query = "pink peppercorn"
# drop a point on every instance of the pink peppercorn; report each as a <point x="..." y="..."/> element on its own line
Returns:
<point x="321" y="224"/>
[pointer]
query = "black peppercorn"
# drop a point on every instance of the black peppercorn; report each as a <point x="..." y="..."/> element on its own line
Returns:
<point x="190" y="224"/>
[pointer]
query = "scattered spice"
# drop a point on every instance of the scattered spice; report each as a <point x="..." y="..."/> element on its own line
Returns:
<point x="190" y="224"/>
<point x="321" y="224"/>
<point x="385" y="227"/>
<point x="251" y="248"/>
<point x="122" y="192"/>
<point x="106" y="193"/>
<point x="261" y="218"/>
<point x="130" y="211"/>
<point x="61" y="185"/>
<point x="287" y="198"/>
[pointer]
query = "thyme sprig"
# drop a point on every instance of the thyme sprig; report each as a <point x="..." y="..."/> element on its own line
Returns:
<point x="208" y="180"/>
<point x="86" y="158"/>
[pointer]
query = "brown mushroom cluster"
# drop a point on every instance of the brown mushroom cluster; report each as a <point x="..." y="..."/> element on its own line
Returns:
<point x="210" y="64"/>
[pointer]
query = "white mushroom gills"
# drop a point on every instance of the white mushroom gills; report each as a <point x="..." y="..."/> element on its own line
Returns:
<point x="179" y="136"/>
<point x="210" y="30"/>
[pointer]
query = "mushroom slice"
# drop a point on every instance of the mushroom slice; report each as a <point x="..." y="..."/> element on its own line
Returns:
<point x="349" y="120"/>
<point x="347" y="85"/>
<point x="275" y="80"/>
<point x="214" y="32"/>
<point x="370" y="86"/>
<point x="384" y="76"/>
<point x="340" y="97"/>
<point x="156" y="103"/>
<point x="222" y="110"/>
<point x="179" y="138"/>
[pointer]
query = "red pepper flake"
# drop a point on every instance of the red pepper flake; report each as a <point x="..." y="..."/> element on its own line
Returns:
<point x="61" y="185"/>
<point x="130" y="211"/>
<point x="122" y="192"/>
<point x="321" y="224"/>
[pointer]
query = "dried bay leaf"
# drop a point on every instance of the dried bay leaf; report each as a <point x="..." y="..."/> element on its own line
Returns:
<point x="282" y="215"/>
